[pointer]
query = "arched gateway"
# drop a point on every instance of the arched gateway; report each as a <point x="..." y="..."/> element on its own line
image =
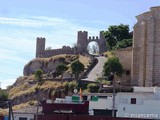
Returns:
<point x="83" y="40"/>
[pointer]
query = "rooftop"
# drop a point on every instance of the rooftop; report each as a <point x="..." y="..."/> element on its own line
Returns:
<point x="29" y="110"/>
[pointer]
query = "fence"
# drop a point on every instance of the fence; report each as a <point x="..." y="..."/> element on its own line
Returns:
<point x="81" y="117"/>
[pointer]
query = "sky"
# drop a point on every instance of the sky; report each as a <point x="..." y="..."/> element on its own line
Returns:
<point x="22" y="21"/>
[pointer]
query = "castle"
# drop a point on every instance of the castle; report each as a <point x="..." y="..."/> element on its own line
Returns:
<point x="82" y="43"/>
<point x="146" y="49"/>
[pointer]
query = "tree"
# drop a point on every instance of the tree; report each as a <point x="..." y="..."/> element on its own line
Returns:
<point x="77" y="67"/>
<point x="124" y="43"/>
<point x="60" y="69"/>
<point x="75" y="48"/>
<point x="38" y="76"/>
<point x="3" y="95"/>
<point x="113" y="66"/>
<point x="115" y="34"/>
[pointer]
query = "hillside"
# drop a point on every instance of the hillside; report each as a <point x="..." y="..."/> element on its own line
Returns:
<point x="23" y="90"/>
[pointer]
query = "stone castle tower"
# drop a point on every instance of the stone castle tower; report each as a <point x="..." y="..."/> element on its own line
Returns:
<point x="146" y="49"/>
<point x="40" y="46"/>
<point x="83" y="41"/>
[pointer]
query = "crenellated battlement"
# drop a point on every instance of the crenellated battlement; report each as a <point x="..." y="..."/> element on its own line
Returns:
<point x="40" y="38"/>
<point x="93" y="38"/>
<point x="82" y="43"/>
<point x="51" y="52"/>
<point x="81" y="32"/>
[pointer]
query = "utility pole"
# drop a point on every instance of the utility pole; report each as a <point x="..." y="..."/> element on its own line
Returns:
<point x="113" y="100"/>
<point x="9" y="114"/>
<point x="37" y="103"/>
<point x="10" y="111"/>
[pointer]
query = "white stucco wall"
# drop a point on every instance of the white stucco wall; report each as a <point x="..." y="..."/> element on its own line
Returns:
<point x="28" y="116"/>
<point x="147" y="104"/>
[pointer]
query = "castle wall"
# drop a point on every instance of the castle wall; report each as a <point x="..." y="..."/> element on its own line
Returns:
<point x="125" y="58"/>
<point x="146" y="49"/>
<point x="82" y="43"/>
<point x="49" y="53"/>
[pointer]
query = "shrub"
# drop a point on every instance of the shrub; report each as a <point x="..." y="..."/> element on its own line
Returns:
<point x="92" y="87"/>
<point x="124" y="43"/>
<point x="70" y="86"/>
<point x="3" y="95"/>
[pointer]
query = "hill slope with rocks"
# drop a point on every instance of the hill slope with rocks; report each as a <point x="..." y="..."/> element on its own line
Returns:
<point x="23" y="90"/>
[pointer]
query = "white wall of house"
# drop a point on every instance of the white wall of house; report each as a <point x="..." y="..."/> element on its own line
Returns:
<point x="17" y="116"/>
<point x="147" y="103"/>
<point x="102" y="103"/>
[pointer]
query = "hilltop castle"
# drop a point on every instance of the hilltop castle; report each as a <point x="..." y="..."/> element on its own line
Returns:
<point x="82" y="43"/>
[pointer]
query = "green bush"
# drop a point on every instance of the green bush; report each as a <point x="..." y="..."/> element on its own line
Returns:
<point x="124" y="43"/>
<point x="3" y="95"/>
<point x="92" y="87"/>
<point x="70" y="86"/>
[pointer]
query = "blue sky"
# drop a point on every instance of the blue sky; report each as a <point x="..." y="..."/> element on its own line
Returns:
<point x="22" y="21"/>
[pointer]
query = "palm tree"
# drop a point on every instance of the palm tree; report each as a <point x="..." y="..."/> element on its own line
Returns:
<point x="60" y="69"/>
<point x="77" y="67"/>
<point x="38" y="76"/>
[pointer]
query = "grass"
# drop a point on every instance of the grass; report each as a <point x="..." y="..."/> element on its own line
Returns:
<point x="25" y="89"/>
<point x="17" y="107"/>
<point x="109" y="54"/>
<point x="50" y="84"/>
<point x="20" y="90"/>
<point x="84" y="60"/>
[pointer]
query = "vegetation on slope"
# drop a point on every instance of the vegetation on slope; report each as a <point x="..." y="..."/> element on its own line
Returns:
<point x="28" y="84"/>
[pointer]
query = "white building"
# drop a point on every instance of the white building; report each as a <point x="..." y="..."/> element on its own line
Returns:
<point x="144" y="102"/>
<point x="23" y="116"/>
<point x="102" y="103"/>
<point x="27" y="113"/>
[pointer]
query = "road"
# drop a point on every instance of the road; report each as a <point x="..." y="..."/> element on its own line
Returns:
<point x="97" y="70"/>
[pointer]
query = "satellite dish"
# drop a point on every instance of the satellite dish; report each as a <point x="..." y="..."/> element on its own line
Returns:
<point x="75" y="91"/>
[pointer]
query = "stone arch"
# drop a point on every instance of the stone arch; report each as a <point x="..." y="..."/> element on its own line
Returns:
<point x="83" y="41"/>
<point x="93" y="47"/>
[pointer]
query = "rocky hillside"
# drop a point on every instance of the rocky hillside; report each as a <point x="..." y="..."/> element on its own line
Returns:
<point x="48" y="65"/>
<point x="23" y="90"/>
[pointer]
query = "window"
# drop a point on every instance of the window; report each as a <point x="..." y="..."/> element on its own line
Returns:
<point x="127" y="72"/>
<point x="22" y="118"/>
<point x="133" y="100"/>
<point x="84" y="98"/>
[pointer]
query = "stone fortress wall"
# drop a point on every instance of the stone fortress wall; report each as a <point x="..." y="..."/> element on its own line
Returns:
<point x="82" y="43"/>
<point x="41" y="52"/>
<point x="146" y="49"/>
<point x="125" y="57"/>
